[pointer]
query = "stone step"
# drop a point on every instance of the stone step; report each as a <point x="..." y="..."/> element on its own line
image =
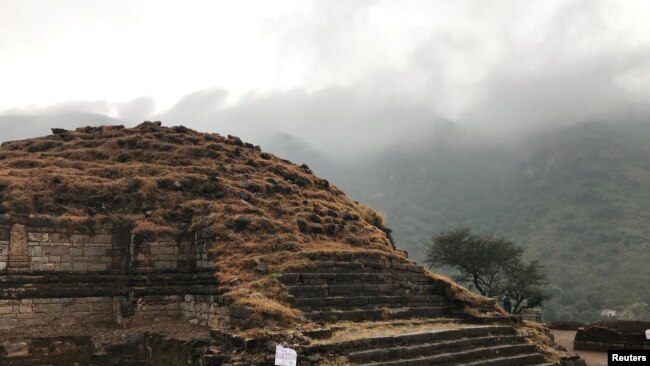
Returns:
<point x="429" y="336"/>
<point x="423" y="349"/>
<point x="347" y="277"/>
<point x="521" y="354"/>
<point x="365" y="302"/>
<point x="358" y="267"/>
<point x="398" y="289"/>
<point x="532" y="359"/>
<point x="93" y="290"/>
<point x="131" y="278"/>
<point x="376" y="314"/>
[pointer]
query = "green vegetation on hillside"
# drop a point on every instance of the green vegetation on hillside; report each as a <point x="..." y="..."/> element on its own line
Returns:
<point x="492" y="266"/>
<point x="577" y="199"/>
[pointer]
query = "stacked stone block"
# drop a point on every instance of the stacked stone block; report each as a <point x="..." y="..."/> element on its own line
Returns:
<point x="363" y="287"/>
<point x="156" y="307"/>
<point x="52" y="249"/>
<point x="51" y="246"/>
<point x="52" y="273"/>
<point x="4" y="246"/>
<point x="202" y="256"/>
<point x="469" y="345"/>
<point x="55" y="311"/>
<point x="158" y="254"/>
<point x="357" y="286"/>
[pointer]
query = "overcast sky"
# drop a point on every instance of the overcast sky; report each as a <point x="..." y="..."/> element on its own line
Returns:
<point x="331" y="72"/>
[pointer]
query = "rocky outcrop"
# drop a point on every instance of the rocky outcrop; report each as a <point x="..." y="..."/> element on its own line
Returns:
<point x="619" y="334"/>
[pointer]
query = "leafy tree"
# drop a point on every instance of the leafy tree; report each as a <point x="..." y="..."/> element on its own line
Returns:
<point x="525" y="284"/>
<point x="480" y="260"/>
<point x="493" y="266"/>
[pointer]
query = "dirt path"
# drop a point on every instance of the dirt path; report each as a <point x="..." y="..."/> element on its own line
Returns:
<point x="565" y="339"/>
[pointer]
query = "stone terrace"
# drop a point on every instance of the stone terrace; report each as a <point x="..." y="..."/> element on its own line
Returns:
<point x="368" y="287"/>
<point x="55" y="274"/>
<point x="381" y="310"/>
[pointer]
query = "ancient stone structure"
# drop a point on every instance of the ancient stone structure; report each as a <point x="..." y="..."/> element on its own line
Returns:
<point x="396" y="294"/>
<point x="610" y="335"/>
<point x="56" y="275"/>
<point x="165" y="246"/>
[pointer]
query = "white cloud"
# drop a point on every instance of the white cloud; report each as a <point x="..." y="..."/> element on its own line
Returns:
<point x="348" y="74"/>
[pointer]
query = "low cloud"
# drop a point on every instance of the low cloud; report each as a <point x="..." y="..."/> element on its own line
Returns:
<point x="136" y="110"/>
<point x="377" y="74"/>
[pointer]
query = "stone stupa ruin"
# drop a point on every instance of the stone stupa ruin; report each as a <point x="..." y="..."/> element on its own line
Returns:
<point x="165" y="246"/>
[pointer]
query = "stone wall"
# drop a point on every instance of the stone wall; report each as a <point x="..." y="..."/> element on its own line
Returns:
<point x="4" y="246"/>
<point x="159" y="254"/>
<point x="52" y="273"/>
<point x="47" y="245"/>
<point x="615" y="334"/>
<point x="156" y="307"/>
<point x="55" y="311"/>
<point x="205" y="310"/>
<point x="196" y="309"/>
<point x="202" y="256"/>
<point x="55" y="249"/>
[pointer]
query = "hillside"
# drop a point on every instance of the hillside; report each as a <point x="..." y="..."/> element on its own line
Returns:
<point x="576" y="199"/>
<point x="580" y="205"/>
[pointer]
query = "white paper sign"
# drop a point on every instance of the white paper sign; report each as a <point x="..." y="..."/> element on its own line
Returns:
<point x="285" y="356"/>
<point x="647" y="334"/>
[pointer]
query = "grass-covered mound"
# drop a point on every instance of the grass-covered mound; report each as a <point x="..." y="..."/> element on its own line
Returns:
<point x="261" y="211"/>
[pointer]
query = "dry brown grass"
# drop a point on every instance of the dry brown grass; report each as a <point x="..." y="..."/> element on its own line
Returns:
<point x="540" y="335"/>
<point x="152" y="228"/>
<point x="476" y="304"/>
<point x="267" y="300"/>
<point x="258" y="209"/>
<point x="350" y="331"/>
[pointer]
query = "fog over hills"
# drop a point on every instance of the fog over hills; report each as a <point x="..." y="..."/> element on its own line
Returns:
<point x="524" y="119"/>
<point x="575" y="198"/>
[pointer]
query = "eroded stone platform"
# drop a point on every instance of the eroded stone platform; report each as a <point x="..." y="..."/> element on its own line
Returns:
<point x="57" y="274"/>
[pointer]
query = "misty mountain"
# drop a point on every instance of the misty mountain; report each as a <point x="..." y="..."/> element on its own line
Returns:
<point x="580" y="205"/>
<point x="300" y="152"/>
<point x="576" y="199"/>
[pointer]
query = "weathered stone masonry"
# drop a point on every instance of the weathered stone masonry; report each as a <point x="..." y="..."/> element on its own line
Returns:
<point x="4" y="246"/>
<point x="52" y="274"/>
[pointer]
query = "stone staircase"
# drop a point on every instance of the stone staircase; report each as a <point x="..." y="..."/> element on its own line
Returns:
<point x="364" y="289"/>
<point x="401" y="316"/>
<point x="457" y="345"/>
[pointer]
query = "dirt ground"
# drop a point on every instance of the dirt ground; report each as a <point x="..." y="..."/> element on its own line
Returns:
<point x="565" y="339"/>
